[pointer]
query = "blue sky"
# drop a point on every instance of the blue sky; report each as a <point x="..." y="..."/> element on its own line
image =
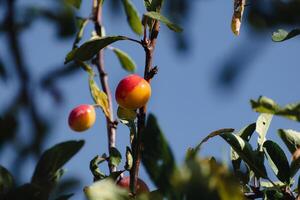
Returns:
<point x="185" y="98"/>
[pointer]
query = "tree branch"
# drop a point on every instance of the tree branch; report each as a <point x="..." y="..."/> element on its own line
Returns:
<point x="111" y="128"/>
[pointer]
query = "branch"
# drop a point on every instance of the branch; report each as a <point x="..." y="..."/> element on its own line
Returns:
<point x="111" y="128"/>
<point x="149" y="46"/>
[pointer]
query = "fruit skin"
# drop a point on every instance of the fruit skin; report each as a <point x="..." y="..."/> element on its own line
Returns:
<point x="82" y="117"/>
<point x="141" y="185"/>
<point x="133" y="92"/>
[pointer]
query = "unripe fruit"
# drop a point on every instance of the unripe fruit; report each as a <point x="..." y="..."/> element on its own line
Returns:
<point x="82" y="117"/>
<point x="133" y="92"/>
<point x="140" y="188"/>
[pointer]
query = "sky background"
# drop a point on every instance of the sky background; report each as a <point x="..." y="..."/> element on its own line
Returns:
<point x="185" y="97"/>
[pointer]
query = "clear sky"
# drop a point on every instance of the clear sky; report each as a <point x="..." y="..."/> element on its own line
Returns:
<point x="185" y="99"/>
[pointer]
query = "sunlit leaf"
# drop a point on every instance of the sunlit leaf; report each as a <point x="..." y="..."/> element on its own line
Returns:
<point x="105" y="189"/>
<point x="157" y="156"/>
<point x="281" y="35"/>
<point x="291" y="139"/>
<point x="129" y="159"/>
<point x="277" y="160"/>
<point x="236" y="22"/>
<point x="161" y="18"/>
<point x="262" y="125"/>
<point x="100" y="98"/>
<point x="125" y="60"/>
<point x="267" y="105"/>
<point x="245" y="151"/>
<point x="133" y="17"/>
<point x="6" y="180"/>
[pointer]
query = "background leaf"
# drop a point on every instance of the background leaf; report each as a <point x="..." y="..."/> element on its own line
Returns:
<point x="75" y="3"/>
<point x="281" y="35"/>
<point x="277" y="160"/>
<point x="52" y="160"/>
<point x="6" y="180"/>
<point x="291" y="139"/>
<point x="159" y="17"/>
<point x="133" y="17"/>
<point x="125" y="60"/>
<point x="157" y="156"/>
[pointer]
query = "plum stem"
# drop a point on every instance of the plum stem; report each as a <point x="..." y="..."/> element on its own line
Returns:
<point x="111" y="128"/>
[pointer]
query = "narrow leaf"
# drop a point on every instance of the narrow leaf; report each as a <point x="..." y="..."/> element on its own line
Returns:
<point x="277" y="160"/>
<point x="99" y="97"/>
<point x="129" y="159"/>
<point x="115" y="156"/>
<point x="262" y="125"/>
<point x="125" y="60"/>
<point x="81" y="26"/>
<point x="90" y="48"/>
<point x="133" y="17"/>
<point x="245" y="151"/>
<point x="291" y="139"/>
<point x="97" y="160"/>
<point x="161" y="18"/>
<point x="6" y="180"/>
<point x="157" y="156"/>
<point x="267" y="105"/>
<point x="281" y="35"/>
<point x="153" y="5"/>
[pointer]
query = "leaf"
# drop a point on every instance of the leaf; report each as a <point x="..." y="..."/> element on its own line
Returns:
<point x="75" y="3"/>
<point x="245" y="133"/>
<point x="6" y="180"/>
<point x="281" y="35"/>
<point x="295" y="165"/>
<point x="129" y="159"/>
<point x="262" y="125"/>
<point x="133" y="17"/>
<point x="105" y="189"/>
<point x="193" y="151"/>
<point x="115" y="156"/>
<point x="90" y="48"/>
<point x="291" y="139"/>
<point x="64" y="197"/>
<point x="159" y="17"/>
<point x="157" y="156"/>
<point x="236" y="22"/>
<point x="115" y="175"/>
<point x="125" y="60"/>
<point x="97" y="160"/>
<point x="277" y="160"/>
<point x="153" y="5"/>
<point x="27" y="191"/>
<point x="99" y="97"/>
<point x="82" y="22"/>
<point x="245" y="151"/>
<point x="51" y="161"/>
<point x="70" y="56"/>
<point x="267" y="105"/>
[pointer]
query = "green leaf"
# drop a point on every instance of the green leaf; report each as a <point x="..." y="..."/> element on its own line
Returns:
<point x="282" y="35"/>
<point x="99" y="97"/>
<point x="97" y="160"/>
<point x="291" y="139"/>
<point x="90" y="48"/>
<point x="105" y="189"/>
<point x="245" y="151"/>
<point x="75" y="3"/>
<point x="277" y="160"/>
<point x="129" y="159"/>
<point x="115" y="175"/>
<point x="157" y="156"/>
<point x="245" y="133"/>
<point x="82" y="22"/>
<point x="262" y="125"/>
<point x="267" y="105"/>
<point x="115" y="156"/>
<point x="6" y="180"/>
<point x="192" y="152"/>
<point x="133" y="17"/>
<point x="159" y="17"/>
<point x="153" y="5"/>
<point x="125" y="60"/>
<point x="64" y="197"/>
<point x="51" y="161"/>
<point x="27" y="191"/>
<point x="70" y="56"/>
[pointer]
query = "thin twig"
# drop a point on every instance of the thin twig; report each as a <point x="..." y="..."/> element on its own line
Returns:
<point x="111" y="128"/>
<point x="149" y="46"/>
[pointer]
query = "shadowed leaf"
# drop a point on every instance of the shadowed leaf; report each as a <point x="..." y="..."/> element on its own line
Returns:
<point x="75" y="3"/>
<point x="6" y="180"/>
<point x="125" y="60"/>
<point x="159" y="17"/>
<point x="115" y="156"/>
